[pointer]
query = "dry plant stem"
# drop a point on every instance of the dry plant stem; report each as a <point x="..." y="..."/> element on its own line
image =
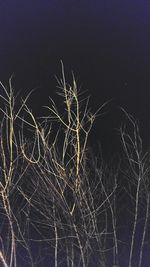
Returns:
<point x="80" y="245"/>
<point x="116" y="252"/>
<point x="9" y="154"/>
<point x="13" y="244"/>
<point x="56" y="235"/>
<point x="2" y="259"/>
<point x="72" y="255"/>
<point x="113" y="224"/>
<point x="134" y="229"/>
<point x="61" y="176"/>
<point x="74" y="125"/>
<point x="68" y="258"/>
<point x="133" y="149"/>
<point x="144" y="231"/>
<point x="8" y="171"/>
<point x="135" y="221"/>
<point x="38" y="134"/>
<point x="93" y="215"/>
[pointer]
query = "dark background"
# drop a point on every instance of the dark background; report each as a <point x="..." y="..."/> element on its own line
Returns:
<point x="105" y="43"/>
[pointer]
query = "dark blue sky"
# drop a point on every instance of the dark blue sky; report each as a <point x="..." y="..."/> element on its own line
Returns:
<point x="106" y="43"/>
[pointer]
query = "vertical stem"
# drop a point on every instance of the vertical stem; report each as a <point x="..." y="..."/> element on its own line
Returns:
<point x="8" y="213"/>
<point x="80" y="245"/>
<point x="56" y="236"/>
<point x="72" y="255"/>
<point x="135" y="221"/>
<point x="67" y="256"/>
<point x="144" y="232"/>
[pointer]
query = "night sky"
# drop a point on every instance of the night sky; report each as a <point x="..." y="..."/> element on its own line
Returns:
<point x="105" y="43"/>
